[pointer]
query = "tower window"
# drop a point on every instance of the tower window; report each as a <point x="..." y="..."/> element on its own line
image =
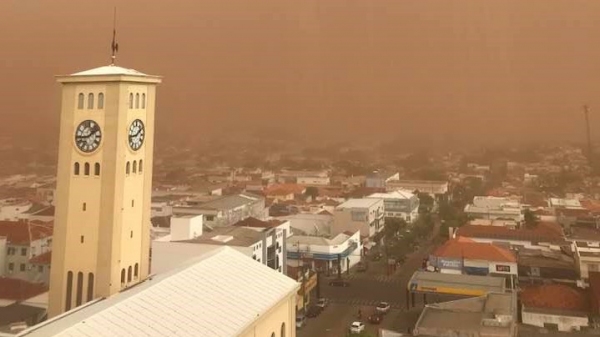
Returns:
<point x="90" y="101"/>
<point x="136" y="271"/>
<point x="100" y="101"/>
<point x="127" y="168"/>
<point x="140" y="167"/>
<point x="86" y="169"/>
<point x="122" y="276"/>
<point x="82" y="239"/>
<point x="90" y="288"/>
<point x="69" y="291"/>
<point x="132" y="202"/>
<point x="131" y="234"/>
<point x="76" y="169"/>
<point x="143" y="101"/>
<point x="130" y="101"/>
<point x="79" y="298"/>
<point x="80" y="99"/>
<point x="97" y="169"/>
<point x="129" y="274"/>
<point x="137" y="101"/>
<point x="84" y="206"/>
<point x="134" y="166"/>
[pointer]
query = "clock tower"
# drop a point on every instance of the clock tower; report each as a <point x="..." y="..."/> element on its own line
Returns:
<point x="101" y="240"/>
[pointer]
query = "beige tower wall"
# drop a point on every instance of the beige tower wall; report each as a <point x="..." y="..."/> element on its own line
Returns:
<point x="115" y="225"/>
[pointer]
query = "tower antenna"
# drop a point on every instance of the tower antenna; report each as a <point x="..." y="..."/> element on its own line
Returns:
<point x="115" y="45"/>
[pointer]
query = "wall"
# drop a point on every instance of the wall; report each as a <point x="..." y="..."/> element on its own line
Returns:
<point x="3" y="251"/>
<point x="565" y="323"/>
<point x="343" y="222"/>
<point x="283" y="313"/>
<point x="185" y="228"/>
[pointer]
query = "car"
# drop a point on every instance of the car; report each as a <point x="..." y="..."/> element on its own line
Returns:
<point x="323" y="303"/>
<point x="300" y="321"/>
<point x="339" y="283"/>
<point x="376" y="317"/>
<point x="383" y="307"/>
<point x="357" y="327"/>
<point x="313" y="311"/>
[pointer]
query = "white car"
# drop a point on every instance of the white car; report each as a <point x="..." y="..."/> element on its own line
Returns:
<point x="383" y="307"/>
<point x="300" y="321"/>
<point x="357" y="327"/>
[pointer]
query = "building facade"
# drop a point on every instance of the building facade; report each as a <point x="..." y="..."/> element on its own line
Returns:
<point x="399" y="204"/>
<point x="104" y="185"/>
<point x="365" y="215"/>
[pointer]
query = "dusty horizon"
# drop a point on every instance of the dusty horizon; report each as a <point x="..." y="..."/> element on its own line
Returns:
<point x="444" y="71"/>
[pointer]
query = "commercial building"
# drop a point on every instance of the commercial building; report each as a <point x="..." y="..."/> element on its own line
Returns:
<point x="555" y="306"/>
<point x="545" y="235"/>
<point x="364" y="215"/>
<point x="226" y="211"/>
<point x="539" y="266"/>
<point x="438" y="190"/>
<point x="399" y="204"/>
<point x="494" y="208"/>
<point x="310" y="224"/>
<point x="380" y="179"/>
<point x="221" y="293"/>
<point x="492" y="314"/>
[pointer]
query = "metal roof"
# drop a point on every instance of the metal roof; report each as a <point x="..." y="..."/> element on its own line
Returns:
<point x="359" y="203"/>
<point x="455" y="283"/>
<point x="219" y="294"/>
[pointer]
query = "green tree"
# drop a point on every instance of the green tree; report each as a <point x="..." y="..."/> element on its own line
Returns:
<point x="531" y="219"/>
<point x="312" y="191"/>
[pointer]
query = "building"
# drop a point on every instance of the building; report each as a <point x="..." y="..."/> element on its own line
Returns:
<point x="364" y="215"/>
<point x="502" y="223"/>
<point x="438" y="190"/>
<point x="555" y="306"/>
<point x="191" y="300"/>
<point x="493" y="314"/>
<point x="104" y="185"/>
<point x="545" y="235"/>
<point x="313" y="181"/>
<point x="324" y="255"/>
<point x="585" y="242"/>
<point x="21" y="244"/>
<point x="227" y="210"/>
<point x="538" y="266"/>
<point x="380" y="179"/>
<point x="310" y="224"/>
<point x="465" y="256"/>
<point x="263" y="241"/>
<point x="22" y="304"/>
<point x="494" y="208"/>
<point x="399" y="204"/>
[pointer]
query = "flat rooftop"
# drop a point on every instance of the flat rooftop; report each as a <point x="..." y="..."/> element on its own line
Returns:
<point x="228" y="236"/>
<point x="359" y="203"/>
<point x="468" y="285"/>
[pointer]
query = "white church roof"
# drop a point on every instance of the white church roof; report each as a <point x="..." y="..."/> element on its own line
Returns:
<point x="219" y="294"/>
<point x="109" y="70"/>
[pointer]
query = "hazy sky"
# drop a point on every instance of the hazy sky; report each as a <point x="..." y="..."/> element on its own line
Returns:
<point x="480" y="70"/>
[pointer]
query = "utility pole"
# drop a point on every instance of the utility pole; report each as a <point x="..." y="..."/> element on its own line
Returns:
<point x="303" y="279"/>
<point x="339" y="263"/>
<point x="586" y="112"/>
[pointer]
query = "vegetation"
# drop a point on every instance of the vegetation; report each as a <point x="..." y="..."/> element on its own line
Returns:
<point x="531" y="219"/>
<point x="401" y="238"/>
<point x="312" y="191"/>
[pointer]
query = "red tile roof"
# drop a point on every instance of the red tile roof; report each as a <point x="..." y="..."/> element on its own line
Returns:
<point x="475" y="251"/>
<point x="555" y="296"/>
<point x="284" y="189"/>
<point x="254" y="222"/>
<point x="23" y="232"/>
<point x="324" y="212"/>
<point x="19" y="290"/>
<point x="594" y="280"/>
<point x="42" y="259"/>
<point x="543" y="232"/>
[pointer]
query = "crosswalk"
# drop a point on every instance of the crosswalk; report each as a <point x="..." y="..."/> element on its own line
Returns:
<point x="378" y="278"/>
<point x="365" y="302"/>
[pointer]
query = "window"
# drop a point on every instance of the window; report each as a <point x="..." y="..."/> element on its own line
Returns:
<point x="90" y="101"/>
<point x="137" y="101"/>
<point x="81" y="239"/>
<point x="131" y="234"/>
<point x="69" y="291"/>
<point x="86" y="169"/>
<point x="97" y="169"/>
<point x="22" y="267"/>
<point x="129" y="274"/>
<point x="80" y="99"/>
<point x="143" y="101"/>
<point x="140" y="167"/>
<point x="23" y="251"/>
<point x="136" y="271"/>
<point x="79" y="298"/>
<point x="40" y="269"/>
<point x="76" y="169"/>
<point x="127" y="168"/>
<point x="273" y="334"/>
<point x="100" y="101"/>
<point x="134" y="166"/>
<point x="84" y="206"/>
<point x="11" y="267"/>
<point x="122" y="276"/>
<point x="282" y="329"/>
<point x="130" y="101"/>
<point x="132" y="202"/>
<point x="90" y="287"/>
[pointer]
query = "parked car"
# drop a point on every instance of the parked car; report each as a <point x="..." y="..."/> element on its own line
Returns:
<point x="376" y="256"/>
<point x="362" y="266"/>
<point x="376" y="317"/>
<point x="313" y="311"/>
<point x="339" y="283"/>
<point x="300" y="321"/>
<point x="357" y="327"/>
<point x="383" y="307"/>
<point x="323" y="303"/>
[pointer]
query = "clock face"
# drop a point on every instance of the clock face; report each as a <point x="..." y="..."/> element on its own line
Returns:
<point x="136" y="134"/>
<point x="88" y="136"/>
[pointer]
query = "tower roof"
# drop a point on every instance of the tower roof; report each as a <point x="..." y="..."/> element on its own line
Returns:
<point x="110" y="71"/>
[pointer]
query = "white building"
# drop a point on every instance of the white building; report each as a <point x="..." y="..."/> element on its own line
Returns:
<point x="263" y="241"/>
<point x="430" y="187"/>
<point x="322" y="254"/>
<point x="495" y="208"/>
<point x="221" y="293"/>
<point x="399" y="204"/>
<point x="364" y="215"/>
<point x="313" y="181"/>
<point x="310" y="224"/>
<point x="564" y="203"/>
<point x="380" y="179"/>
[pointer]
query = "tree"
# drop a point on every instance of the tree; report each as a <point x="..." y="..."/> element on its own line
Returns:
<point x="530" y="219"/>
<point x="312" y="191"/>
